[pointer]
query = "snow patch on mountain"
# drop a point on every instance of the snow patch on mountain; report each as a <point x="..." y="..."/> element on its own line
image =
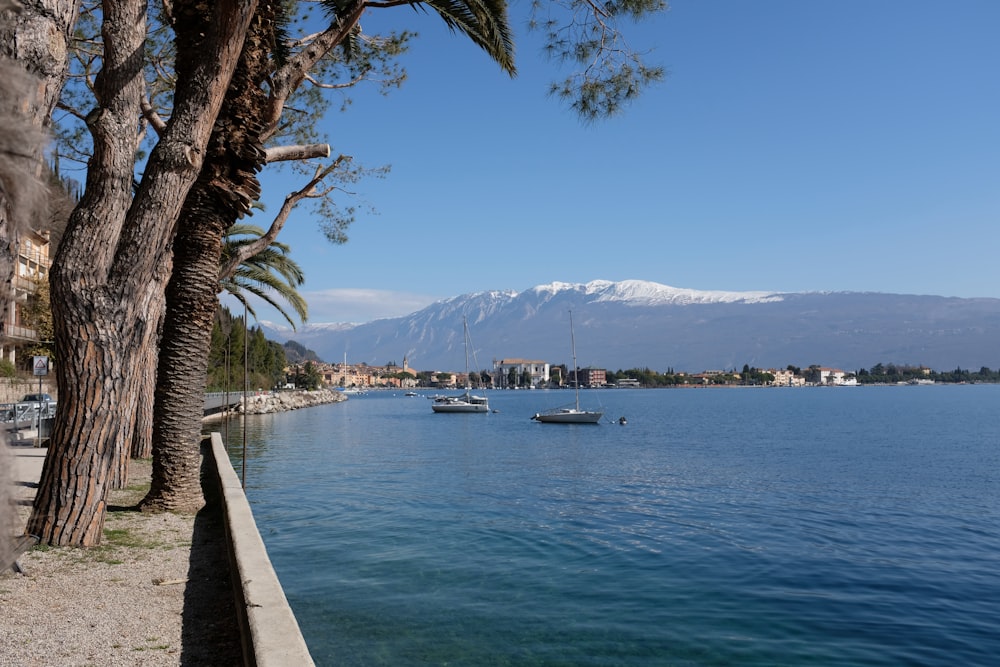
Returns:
<point x="645" y="293"/>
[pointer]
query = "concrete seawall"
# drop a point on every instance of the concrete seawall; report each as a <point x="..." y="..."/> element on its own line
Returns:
<point x="271" y="635"/>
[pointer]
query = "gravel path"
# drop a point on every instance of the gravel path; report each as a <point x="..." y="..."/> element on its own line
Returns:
<point x="156" y="592"/>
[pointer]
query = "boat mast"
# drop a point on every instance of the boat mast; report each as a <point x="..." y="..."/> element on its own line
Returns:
<point x="468" y="380"/>
<point x="576" y="371"/>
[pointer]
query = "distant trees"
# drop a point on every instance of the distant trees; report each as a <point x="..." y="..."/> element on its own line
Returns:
<point x="893" y="374"/>
<point x="671" y="378"/>
<point x="310" y="378"/>
<point x="265" y="359"/>
<point x="298" y="353"/>
<point x="37" y="314"/>
<point x="755" y="376"/>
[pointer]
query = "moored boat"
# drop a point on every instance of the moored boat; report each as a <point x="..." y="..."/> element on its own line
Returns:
<point x="571" y="415"/>
<point x="467" y="401"/>
<point x="568" y="416"/>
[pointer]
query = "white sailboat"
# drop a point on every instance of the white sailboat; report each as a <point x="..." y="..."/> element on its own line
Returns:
<point x="465" y="402"/>
<point x="570" y="415"/>
<point x="352" y="390"/>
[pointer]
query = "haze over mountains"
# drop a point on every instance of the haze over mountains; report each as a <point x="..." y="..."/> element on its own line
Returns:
<point x="639" y="324"/>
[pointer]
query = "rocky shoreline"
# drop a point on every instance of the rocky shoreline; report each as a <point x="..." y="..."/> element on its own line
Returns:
<point x="262" y="403"/>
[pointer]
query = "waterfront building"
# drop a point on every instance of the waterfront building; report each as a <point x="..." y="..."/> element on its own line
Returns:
<point x="32" y="266"/>
<point x="589" y="377"/>
<point x="537" y="371"/>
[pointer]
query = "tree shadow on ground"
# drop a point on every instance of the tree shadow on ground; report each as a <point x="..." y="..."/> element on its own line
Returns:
<point x="210" y="633"/>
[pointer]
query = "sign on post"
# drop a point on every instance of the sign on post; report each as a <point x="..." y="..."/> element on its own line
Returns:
<point x="41" y="365"/>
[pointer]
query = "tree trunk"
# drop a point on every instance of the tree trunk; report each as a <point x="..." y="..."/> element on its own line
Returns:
<point x="88" y="321"/>
<point x="38" y="38"/>
<point x="86" y="441"/>
<point x="110" y="273"/>
<point x="34" y="41"/>
<point x="26" y="101"/>
<point x="183" y="361"/>
<point x="224" y="192"/>
<point x="142" y="437"/>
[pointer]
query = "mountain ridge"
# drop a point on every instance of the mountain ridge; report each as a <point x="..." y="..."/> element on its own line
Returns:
<point x="639" y="324"/>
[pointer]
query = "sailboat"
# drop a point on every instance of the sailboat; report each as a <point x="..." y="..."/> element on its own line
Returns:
<point x="570" y="415"/>
<point x="466" y="402"/>
<point x="352" y="390"/>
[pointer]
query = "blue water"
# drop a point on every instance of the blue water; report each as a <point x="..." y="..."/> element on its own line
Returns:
<point x="815" y="526"/>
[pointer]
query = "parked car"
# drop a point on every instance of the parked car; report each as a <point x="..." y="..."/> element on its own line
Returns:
<point x="36" y="398"/>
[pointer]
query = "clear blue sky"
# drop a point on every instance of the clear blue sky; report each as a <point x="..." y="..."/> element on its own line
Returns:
<point x="794" y="146"/>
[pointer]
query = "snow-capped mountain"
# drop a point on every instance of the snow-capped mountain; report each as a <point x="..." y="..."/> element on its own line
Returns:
<point x="634" y="323"/>
<point x="645" y="293"/>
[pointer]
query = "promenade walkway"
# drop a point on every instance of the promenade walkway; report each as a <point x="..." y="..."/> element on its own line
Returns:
<point x="156" y="592"/>
<point x="161" y="589"/>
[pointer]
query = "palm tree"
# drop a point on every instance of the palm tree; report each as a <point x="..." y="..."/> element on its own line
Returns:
<point x="224" y="192"/>
<point x="270" y="275"/>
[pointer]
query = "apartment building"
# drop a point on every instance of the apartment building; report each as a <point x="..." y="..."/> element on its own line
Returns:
<point x="32" y="265"/>
<point x="590" y="377"/>
<point x="537" y="370"/>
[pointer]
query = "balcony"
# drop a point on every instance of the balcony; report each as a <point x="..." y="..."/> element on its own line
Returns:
<point x="19" y="334"/>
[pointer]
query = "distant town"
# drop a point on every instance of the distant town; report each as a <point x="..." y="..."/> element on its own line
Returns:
<point x="535" y="374"/>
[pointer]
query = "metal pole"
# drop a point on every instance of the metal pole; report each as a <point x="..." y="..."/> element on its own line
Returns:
<point x="226" y="409"/>
<point x="38" y="429"/>
<point x="246" y="333"/>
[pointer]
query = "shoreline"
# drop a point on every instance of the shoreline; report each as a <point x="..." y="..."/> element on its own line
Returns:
<point x="267" y="402"/>
<point x="158" y="590"/>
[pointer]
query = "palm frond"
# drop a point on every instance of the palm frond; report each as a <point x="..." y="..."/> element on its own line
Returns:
<point x="271" y="275"/>
<point x="485" y="22"/>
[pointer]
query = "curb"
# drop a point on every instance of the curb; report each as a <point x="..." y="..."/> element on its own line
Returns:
<point x="271" y="635"/>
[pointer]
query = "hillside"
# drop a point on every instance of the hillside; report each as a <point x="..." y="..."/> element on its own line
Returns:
<point x="630" y="324"/>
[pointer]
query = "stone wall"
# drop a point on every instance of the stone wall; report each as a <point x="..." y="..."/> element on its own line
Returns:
<point x="264" y="402"/>
<point x="12" y="389"/>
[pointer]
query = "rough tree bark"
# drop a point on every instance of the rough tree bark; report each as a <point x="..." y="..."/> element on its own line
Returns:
<point x="187" y="335"/>
<point x="224" y="192"/>
<point x="142" y="435"/>
<point x="38" y="38"/>
<point x="111" y="269"/>
<point x="25" y="101"/>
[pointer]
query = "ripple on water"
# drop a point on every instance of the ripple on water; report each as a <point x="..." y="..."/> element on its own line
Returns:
<point x="716" y="528"/>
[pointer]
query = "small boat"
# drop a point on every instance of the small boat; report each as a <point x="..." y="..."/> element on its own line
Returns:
<point x="568" y="416"/>
<point x="411" y="393"/>
<point x="465" y="402"/>
<point x="571" y="415"/>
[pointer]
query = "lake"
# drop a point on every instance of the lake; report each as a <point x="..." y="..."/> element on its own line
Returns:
<point x="793" y="526"/>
